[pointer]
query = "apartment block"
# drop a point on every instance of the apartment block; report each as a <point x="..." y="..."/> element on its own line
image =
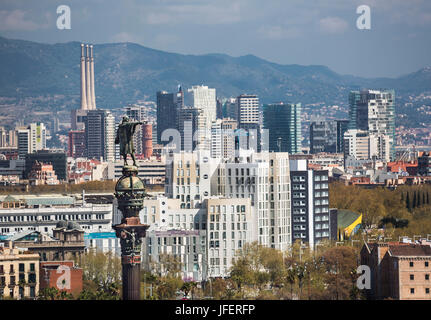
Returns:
<point x="310" y="203"/>
<point x="18" y="266"/>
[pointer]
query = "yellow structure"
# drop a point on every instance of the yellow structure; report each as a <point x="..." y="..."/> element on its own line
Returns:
<point x="348" y="222"/>
<point x="19" y="273"/>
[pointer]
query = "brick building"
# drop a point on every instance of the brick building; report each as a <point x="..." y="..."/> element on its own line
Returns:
<point x="399" y="271"/>
<point x="62" y="275"/>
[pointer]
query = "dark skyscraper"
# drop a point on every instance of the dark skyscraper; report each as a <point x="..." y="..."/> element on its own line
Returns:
<point x="327" y="136"/>
<point x="284" y="124"/>
<point x="342" y="126"/>
<point x="166" y="113"/>
<point x="323" y="136"/>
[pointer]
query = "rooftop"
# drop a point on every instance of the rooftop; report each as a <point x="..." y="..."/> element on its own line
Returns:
<point x="410" y="250"/>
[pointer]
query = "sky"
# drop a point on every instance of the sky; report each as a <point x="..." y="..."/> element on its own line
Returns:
<point x="305" y="32"/>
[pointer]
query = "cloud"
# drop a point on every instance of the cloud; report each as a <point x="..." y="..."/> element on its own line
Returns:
<point x="333" y="25"/>
<point x="196" y="13"/>
<point x="124" y="37"/>
<point x="278" y="32"/>
<point x="18" y="20"/>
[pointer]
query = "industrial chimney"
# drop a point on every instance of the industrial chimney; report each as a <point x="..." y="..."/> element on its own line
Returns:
<point x="93" y="97"/>
<point x="83" y="89"/>
<point x="88" y="80"/>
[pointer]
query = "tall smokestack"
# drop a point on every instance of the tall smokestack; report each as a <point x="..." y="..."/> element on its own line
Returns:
<point x="93" y="97"/>
<point x="87" y="79"/>
<point x="83" y="89"/>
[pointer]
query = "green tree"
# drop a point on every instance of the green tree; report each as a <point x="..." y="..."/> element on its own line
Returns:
<point x="101" y="275"/>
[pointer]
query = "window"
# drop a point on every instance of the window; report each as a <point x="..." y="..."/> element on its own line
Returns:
<point x="427" y="277"/>
<point x="427" y="290"/>
<point x="426" y="264"/>
<point x="412" y="277"/>
<point x="411" y="263"/>
<point x="412" y="290"/>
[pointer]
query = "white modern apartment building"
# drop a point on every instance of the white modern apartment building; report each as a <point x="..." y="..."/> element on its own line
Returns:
<point x="231" y="224"/>
<point x="356" y="144"/>
<point x="205" y="98"/>
<point x="223" y="138"/>
<point x="189" y="176"/>
<point x="248" y="109"/>
<point x="31" y="138"/>
<point x="264" y="179"/>
<point x="362" y="145"/>
<point x="187" y="246"/>
<point x="37" y="136"/>
<point x="110" y="133"/>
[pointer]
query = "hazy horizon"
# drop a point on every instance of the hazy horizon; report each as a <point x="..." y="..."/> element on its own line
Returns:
<point x="321" y="32"/>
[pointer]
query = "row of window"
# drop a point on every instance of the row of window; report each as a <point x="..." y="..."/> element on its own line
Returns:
<point x="237" y="208"/>
<point x="21" y="268"/>
<point x="33" y="218"/>
<point x="427" y="290"/>
<point x="426" y="263"/>
<point x="427" y="277"/>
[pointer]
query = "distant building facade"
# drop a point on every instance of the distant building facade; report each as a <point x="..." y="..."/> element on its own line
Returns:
<point x="284" y="124"/>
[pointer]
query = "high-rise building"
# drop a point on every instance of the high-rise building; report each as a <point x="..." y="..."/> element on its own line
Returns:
<point x="100" y="135"/>
<point x="309" y="204"/>
<point x="37" y="136"/>
<point x="223" y="138"/>
<point x="342" y="127"/>
<point x="31" y="139"/>
<point x="189" y="176"/>
<point x="327" y="136"/>
<point x="357" y="144"/>
<point x="137" y="113"/>
<point x="23" y="142"/>
<point x="205" y="98"/>
<point x="265" y="179"/>
<point x="219" y="114"/>
<point x="247" y="109"/>
<point x="189" y="120"/>
<point x="374" y="111"/>
<point x="180" y="97"/>
<point x="76" y="144"/>
<point x="230" y="108"/>
<point x="3" y="137"/>
<point x="110" y="133"/>
<point x="166" y="114"/>
<point x="249" y="122"/>
<point x="284" y="124"/>
<point x="323" y="137"/>
<point x="361" y="145"/>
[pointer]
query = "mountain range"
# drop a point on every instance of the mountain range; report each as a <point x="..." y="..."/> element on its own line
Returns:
<point x="128" y="72"/>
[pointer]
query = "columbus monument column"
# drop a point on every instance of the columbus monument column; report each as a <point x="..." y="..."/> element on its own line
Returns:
<point x="130" y="193"/>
